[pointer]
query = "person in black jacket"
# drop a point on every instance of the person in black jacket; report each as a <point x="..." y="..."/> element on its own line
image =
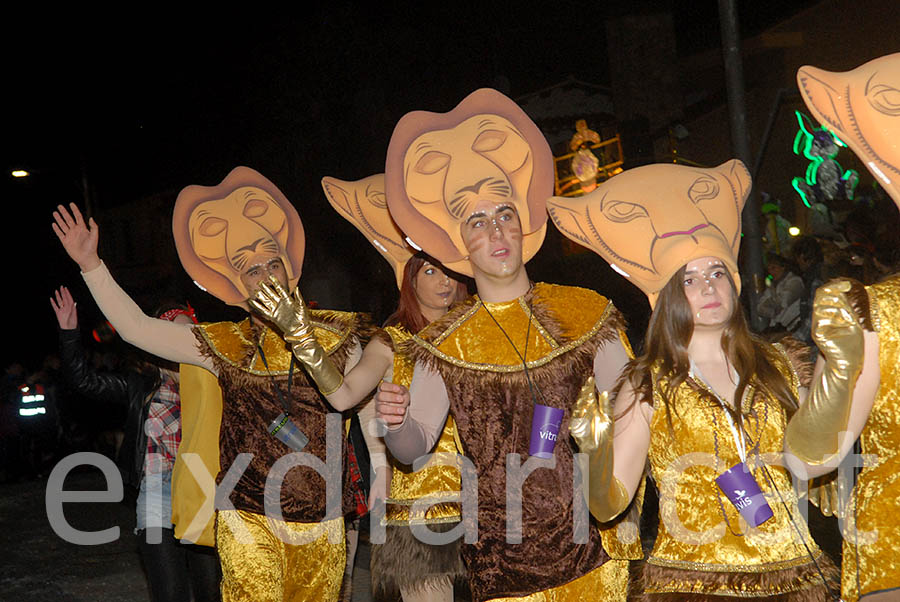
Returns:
<point x="147" y="455"/>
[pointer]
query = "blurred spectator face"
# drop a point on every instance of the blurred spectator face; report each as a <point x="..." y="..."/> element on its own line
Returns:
<point x="776" y="270"/>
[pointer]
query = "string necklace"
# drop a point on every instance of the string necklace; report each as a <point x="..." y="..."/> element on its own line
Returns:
<point x="765" y="470"/>
<point x="531" y="386"/>
<point x="739" y="436"/>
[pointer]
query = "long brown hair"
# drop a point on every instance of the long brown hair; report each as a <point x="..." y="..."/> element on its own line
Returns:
<point x="408" y="313"/>
<point x="666" y="350"/>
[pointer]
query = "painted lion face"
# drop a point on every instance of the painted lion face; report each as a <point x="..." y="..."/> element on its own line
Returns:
<point x="649" y="221"/>
<point x="222" y="231"/>
<point x="862" y="107"/>
<point x="440" y="165"/>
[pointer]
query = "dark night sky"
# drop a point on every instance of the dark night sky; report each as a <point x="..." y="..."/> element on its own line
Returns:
<point x="155" y="102"/>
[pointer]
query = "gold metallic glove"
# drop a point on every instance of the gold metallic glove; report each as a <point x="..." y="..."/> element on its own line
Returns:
<point x="289" y="314"/>
<point x="829" y="494"/>
<point x="592" y="428"/>
<point x="813" y="432"/>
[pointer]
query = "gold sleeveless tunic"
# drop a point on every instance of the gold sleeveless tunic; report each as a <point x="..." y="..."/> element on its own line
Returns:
<point x="877" y="492"/>
<point x="403" y="562"/>
<point x="436" y="481"/>
<point x="703" y="546"/>
<point x="270" y="564"/>
<point x="561" y="328"/>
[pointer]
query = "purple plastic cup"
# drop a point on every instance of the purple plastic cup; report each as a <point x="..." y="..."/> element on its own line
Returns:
<point x="742" y="489"/>
<point x="544" y="430"/>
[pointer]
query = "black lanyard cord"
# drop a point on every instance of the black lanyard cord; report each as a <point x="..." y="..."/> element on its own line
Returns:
<point x="281" y="398"/>
<point x="531" y="386"/>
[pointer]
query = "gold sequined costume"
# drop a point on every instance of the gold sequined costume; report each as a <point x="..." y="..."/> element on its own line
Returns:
<point x="703" y="547"/>
<point x="403" y="561"/>
<point x="267" y="557"/>
<point x="491" y="402"/>
<point x="877" y="493"/>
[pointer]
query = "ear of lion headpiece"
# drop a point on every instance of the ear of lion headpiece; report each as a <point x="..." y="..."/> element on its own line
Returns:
<point x="363" y="204"/>
<point x="862" y="107"/>
<point x="219" y="229"/>
<point x="649" y="221"/>
<point x="440" y="164"/>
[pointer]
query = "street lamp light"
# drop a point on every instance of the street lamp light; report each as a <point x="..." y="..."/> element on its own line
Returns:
<point x="20" y="173"/>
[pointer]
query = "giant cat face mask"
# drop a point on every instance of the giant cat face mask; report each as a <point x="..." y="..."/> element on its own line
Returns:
<point x="439" y="165"/>
<point x="220" y="231"/>
<point x="649" y="221"/>
<point x="862" y="107"/>
<point x="363" y="204"/>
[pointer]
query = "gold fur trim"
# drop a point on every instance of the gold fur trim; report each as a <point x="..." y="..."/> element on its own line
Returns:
<point x="537" y="324"/>
<point x="535" y="311"/>
<point x="874" y="309"/>
<point x="233" y="342"/>
<point x="732" y="568"/>
<point x="441" y="520"/>
<point x="787" y="357"/>
<point x="434" y="499"/>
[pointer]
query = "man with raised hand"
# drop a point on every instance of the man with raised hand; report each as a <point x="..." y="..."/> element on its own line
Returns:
<point x="279" y="526"/>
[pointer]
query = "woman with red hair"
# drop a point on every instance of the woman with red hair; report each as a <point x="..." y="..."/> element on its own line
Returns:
<point x="403" y="564"/>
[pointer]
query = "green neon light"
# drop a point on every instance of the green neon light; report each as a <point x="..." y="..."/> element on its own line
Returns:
<point x="800" y="192"/>
<point x="798" y="139"/>
<point x="837" y="140"/>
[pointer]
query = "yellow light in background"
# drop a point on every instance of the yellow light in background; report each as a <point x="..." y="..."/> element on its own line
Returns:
<point x="794" y="231"/>
<point x="20" y="173"/>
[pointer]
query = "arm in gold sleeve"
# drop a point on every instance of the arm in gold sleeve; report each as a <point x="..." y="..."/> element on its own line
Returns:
<point x="288" y="312"/>
<point x="592" y="428"/>
<point x="813" y="433"/>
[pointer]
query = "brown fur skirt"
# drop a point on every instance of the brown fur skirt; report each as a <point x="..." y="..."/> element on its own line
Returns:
<point x="404" y="561"/>
<point x="803" y="583"/>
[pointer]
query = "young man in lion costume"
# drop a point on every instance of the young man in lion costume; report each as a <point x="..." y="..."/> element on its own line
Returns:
<point x="469" y="187"/>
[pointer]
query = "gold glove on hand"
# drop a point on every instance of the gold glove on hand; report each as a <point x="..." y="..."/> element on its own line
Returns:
<point x="592" y="428"/>
<point x="830" y="494"/>
<point x="813" y="432"/>
<point x="289" y="314"/>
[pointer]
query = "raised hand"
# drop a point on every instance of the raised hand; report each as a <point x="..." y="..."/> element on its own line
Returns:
<point x="814" y="432"/>
<point x="391" y="403"/>
<point x="78" y="239"/>
<point x="288" y="312"/>
<point x="835" y="327"/>
<point x="64" y="308"/>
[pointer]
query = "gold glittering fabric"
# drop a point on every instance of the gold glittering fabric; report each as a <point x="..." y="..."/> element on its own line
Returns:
<point x="875" y="533"/>
<point x="603" y="583"/>
<point x="703" y="546"/>
<point x="267" y="560"/>
<point x="562" y="329"/>
<point x="438" y="481"/>
<point x="402" y="561"/>
<point x="251" y="402"/>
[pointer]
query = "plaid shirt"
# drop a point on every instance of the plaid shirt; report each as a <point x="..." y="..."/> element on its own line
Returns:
<point x="356" y="482"/>
<point x="163" y="427"/>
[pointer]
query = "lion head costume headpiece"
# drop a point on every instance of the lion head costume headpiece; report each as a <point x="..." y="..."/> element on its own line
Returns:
<point x="218" y="229"/>
<point x="363" y="204"/>
<point x="439" y="165"/>
<point x="862" y="107"/>
<point x="650" y="221"/>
